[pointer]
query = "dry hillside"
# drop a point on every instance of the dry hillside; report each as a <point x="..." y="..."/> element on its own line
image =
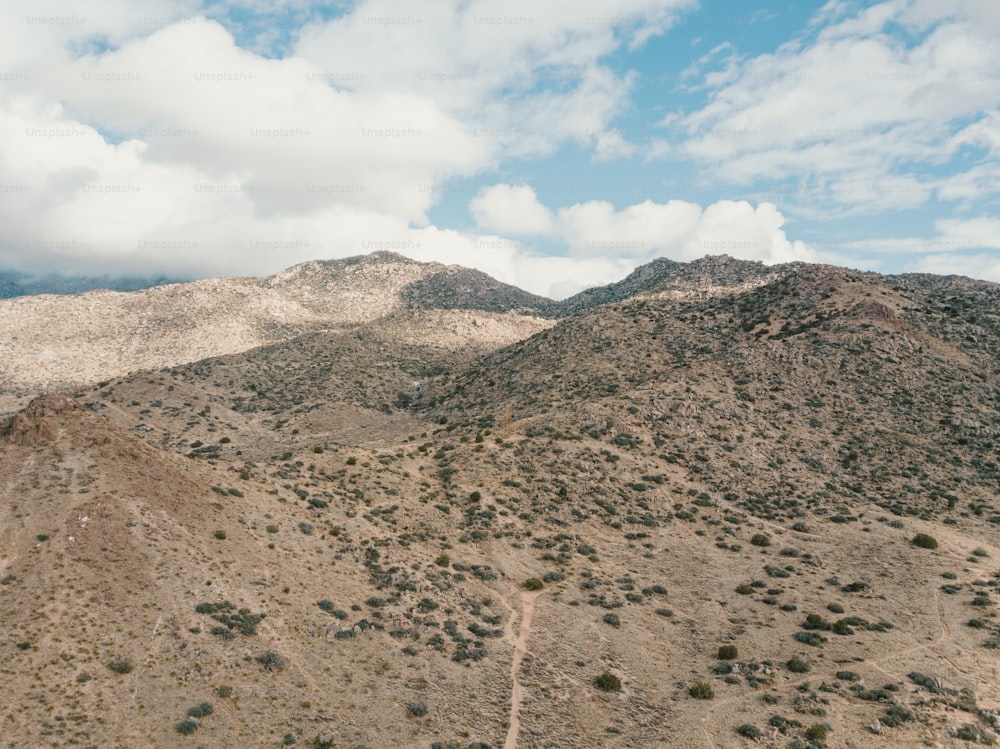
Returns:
<point x="728" y="507"/>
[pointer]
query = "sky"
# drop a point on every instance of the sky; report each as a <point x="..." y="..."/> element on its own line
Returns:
<point x="553" y="145"/>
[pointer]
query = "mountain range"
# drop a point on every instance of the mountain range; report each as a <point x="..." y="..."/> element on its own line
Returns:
<point x="379" y="503"/>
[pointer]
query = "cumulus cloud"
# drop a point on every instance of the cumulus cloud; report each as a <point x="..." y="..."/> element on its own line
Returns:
<point x="139" y="136"/>
<point x="679" y="230"/>
<point x="852" y="109"/>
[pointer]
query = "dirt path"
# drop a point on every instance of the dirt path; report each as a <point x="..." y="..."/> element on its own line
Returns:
<point x="520" y="650"/>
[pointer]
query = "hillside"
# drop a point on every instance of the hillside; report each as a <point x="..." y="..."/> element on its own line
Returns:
<point x="744" y="506"/>
<point x="51" y="342"/>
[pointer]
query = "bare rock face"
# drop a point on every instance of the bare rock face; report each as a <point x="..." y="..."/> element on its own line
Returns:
<point x="36" y="424"/>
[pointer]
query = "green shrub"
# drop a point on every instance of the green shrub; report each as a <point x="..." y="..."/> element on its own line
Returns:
<point x="187" y="727"/>
<point x="759" y="539"/>
<point x="925" y="541"/>
<point x="749" y="731"/>
<point x="608" y="682"/>
<point x="533" y="583"/>
<point x="727" y="652"/>
<point x="417" y="709"/>
<point x="702" y="691"/>
<point x="271" y="661"/>
<point x="220" y="534"/>
<point x="200" y="711"/>
<point x="797" y="666"/>
<point x="612" y="619"/>
<point x="121" y="665"/>
<point x="744" y="589"/>
<point x="816" y="732"/>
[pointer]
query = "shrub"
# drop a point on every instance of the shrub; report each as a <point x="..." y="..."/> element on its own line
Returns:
<point x="702" y="691"/>
<point x="727" y="652"/>
<point x="608" y="682"/>
<point x="612" y="619"/>
<point x="121" y="665"/>
<point x="417" y="709"/>
<point x="744" y="589"/>
<point x="271" y="661"/>
<point x="352" y="460"/>
<point x="187" y="727"/>
<point x="200" y="711"/>
<point x="816" y="732"/>
<point x="326" y="605"/>
<point x="749" y="731"/>
<point x="796" y="665"/>
<point x="810" y="638"/>
<point x="443" y="560"/>
<point x="924" y="541"/>
<point x="759" y="539"/>
<point x="220" y="534"/>
<point x="533" y="583"/>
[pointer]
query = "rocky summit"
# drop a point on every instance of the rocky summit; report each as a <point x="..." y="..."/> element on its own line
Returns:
<point x="380" y="503"/>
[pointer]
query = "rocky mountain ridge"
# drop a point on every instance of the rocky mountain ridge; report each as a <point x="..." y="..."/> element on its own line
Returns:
<point x="733" y="506"/>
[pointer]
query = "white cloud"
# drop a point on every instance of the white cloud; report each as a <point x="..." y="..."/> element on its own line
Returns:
<point x="679" y="230"/>
<point x="853" y="110"/>
<point x="511" y="210"/>
<point x="488" y="62"/>
<point x="978" y="265"/>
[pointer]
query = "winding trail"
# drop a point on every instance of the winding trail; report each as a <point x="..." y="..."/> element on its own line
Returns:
<point x="520" y="650"/>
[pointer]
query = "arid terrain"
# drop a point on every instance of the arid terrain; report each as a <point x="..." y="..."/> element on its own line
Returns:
<point x="379" y="503"/>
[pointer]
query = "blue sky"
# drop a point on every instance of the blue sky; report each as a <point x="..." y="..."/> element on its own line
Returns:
<point x="554" y="146"/>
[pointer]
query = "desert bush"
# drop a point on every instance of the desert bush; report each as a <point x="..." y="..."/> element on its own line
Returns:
<point x="608" y="682"/>
<point x="612" y="619"/>
<point x="797" y="665"/>
<point x="417" y="709"/>
<point x="271" y="661"/>
<point x="186" y="727"/>
<point x="727" y="652"/>
<point x="924" y="541"/>
<point x="533" y="583"/>
<point x="749" y="731"/>
<point x="121" y="665"/>
<point x="220" y="534"/>
<point x="702" y="691"/>
<point x="759" y="539"/>
<point x="816" y="732"/>
<point x="200" y="711"/>
<point x="744" y="589"/>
